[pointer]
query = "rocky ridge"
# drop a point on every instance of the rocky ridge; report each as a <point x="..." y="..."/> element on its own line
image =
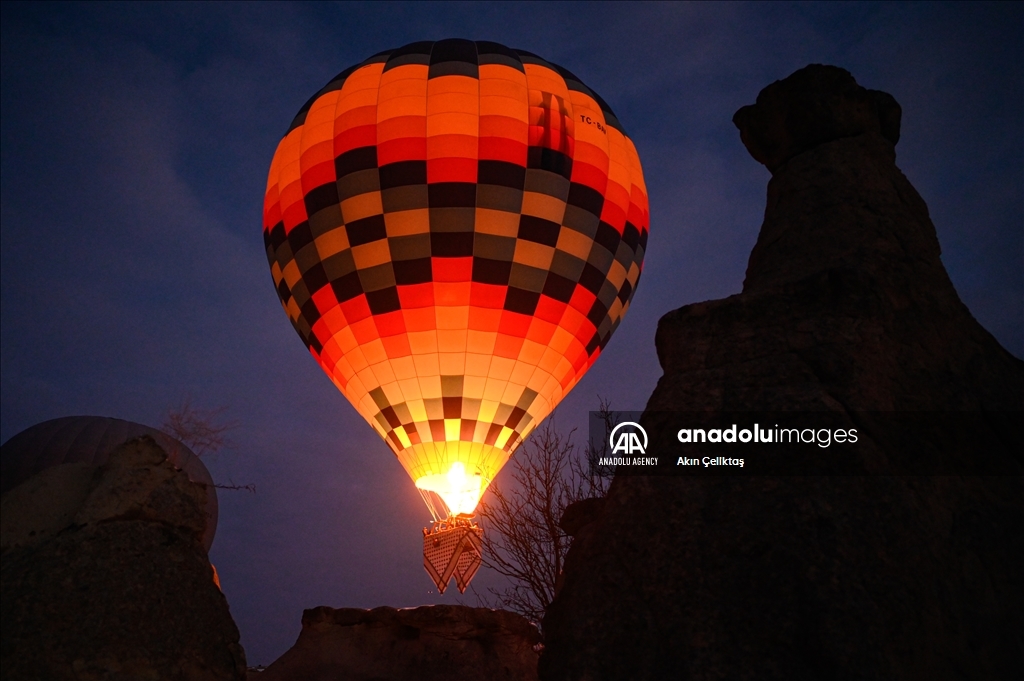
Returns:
<point x="846" y="308"/>
<point x="104" y="575"/>
<point x="424" y="643"/>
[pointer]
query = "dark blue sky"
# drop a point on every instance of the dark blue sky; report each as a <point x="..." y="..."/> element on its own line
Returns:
<point x="136" y="141"/>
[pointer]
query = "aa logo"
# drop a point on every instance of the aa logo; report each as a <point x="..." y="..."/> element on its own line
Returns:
<point x="628" y="440"/>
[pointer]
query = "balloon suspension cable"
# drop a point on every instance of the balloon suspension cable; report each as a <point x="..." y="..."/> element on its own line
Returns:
<point x="461" y="520"/>
<point x="438" y="509"/>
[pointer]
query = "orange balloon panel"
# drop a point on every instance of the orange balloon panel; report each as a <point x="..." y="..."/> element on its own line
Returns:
<point x="455" y="229"/>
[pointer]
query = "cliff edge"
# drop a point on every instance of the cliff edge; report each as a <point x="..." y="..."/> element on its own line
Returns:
<point x="847" y="308"/>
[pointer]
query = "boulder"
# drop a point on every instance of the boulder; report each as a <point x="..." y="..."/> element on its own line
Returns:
<point x="817" y="104"/>
<point x="846" y="308"/>
<point x="425" y="643"/>
<point x="104" y="575"/>
<point x="90" y="440"/>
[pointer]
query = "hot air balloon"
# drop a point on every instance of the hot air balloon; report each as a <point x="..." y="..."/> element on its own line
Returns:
<point x="455" y="229"/>
<point x="91" y="439"/>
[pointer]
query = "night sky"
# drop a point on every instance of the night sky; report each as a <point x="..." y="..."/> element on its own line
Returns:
<point x="135" y="150"/>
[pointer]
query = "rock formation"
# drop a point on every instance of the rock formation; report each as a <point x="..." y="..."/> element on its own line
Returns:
<point x="90" y="440"/>
<point x="104" y="575"/>
<point x="846" y="308"/>
<point x="426" y="643"/>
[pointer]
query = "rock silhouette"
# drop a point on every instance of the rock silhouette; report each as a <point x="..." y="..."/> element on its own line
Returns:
<point x="425" y="643"/>
<point x="104" y="575"/>
<point x="90" y="440"/>
<point x="846" y="308"/>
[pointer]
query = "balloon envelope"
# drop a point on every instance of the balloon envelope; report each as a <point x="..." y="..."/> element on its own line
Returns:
<point x="455" y="229"/>
<point x="91" y="439"/>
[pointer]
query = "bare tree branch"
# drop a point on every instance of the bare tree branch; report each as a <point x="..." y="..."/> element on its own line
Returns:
<point x="522" y="538"/>
<point x="251" y="487"/>
<point x="201" y="430"/>
<point x="198" y="428"/>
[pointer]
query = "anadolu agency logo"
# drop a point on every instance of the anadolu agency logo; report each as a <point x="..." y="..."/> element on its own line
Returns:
<point x="626" y="439"/>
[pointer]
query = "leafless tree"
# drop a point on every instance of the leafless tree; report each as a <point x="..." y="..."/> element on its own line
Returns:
<point x="203" y="431"/>
<point x="200" y="429"/>
<point x="522" y="538"/>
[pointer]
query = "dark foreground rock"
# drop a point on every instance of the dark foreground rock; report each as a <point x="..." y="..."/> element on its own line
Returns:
<point x="426" y="643"/>
<point x="846" y="308"/>
<point x="104" y="575"/>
